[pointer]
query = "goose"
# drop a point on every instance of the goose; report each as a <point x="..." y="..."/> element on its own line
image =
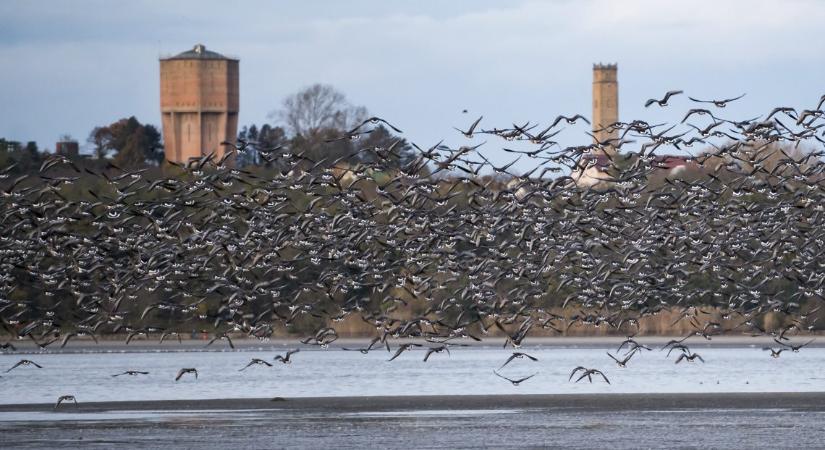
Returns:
<point x="131" y="373"/>
<point x="515" y="382"/>
<point x="24" y="362"/>
<point x="285" y="358"/>
<point x="184" y="371"/>
<point x="587" y="373"/>
<point x="518" y="355"/>
<point x="663" y="101"/>
<point x="65" y="398"/>
<point x="717" y="103"/>
<point x="254" y="362"/>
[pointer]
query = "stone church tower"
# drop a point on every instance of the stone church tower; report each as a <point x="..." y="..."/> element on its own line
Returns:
<point x="198" y="103"/>
<point x="605" y="100"/>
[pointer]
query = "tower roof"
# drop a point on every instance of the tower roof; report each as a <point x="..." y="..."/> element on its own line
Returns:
<point x="199" y="51"/>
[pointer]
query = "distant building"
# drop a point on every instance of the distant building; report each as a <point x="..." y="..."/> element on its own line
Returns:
<point x="199" y="103"/>
<point x="593" y="167"/>
<point x="605" y="101"/>
<point x="67" y="148"/>
<point x="674" y="164"/>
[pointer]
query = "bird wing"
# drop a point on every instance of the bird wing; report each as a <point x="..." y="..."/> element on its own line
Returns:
<point x="474" y="125"/>
<point x="671" y="94"/>
<point x="731" y="99"/>
<point x="512" y="357"/>
<point x="398" y="352"/>
<point x="628" y="341"/>
<point x="502" y="376"/>
<point x="525" y="378"/>
<point x="66" y="339"/>
<point x="430" y="351"/>
<point x="574" y="372"/>
<point x="585" y="374"/>
<point x="388" y="124"/>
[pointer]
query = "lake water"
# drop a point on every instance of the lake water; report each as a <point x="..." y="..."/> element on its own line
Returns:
<point x="453" y="429"/>
<point x="333" y="372"/>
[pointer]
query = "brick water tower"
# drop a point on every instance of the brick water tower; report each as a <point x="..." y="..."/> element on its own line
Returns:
<point x="198" y="103"/>
<point x="605" y="101"/>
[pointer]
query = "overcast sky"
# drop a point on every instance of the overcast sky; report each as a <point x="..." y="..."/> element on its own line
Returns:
<point x="69" y="66"/>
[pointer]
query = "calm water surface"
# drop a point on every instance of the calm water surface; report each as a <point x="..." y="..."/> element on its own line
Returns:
<point x="333" y="372"/>
<point x="750" y="429"/>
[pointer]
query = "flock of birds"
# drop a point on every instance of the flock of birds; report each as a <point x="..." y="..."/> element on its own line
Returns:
<point x="446" y="247"/>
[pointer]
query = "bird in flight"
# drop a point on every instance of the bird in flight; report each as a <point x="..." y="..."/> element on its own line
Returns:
<point x="439" y="349"/>
<point x="794" y="348"/>
<point x="367" y="349"/>
<point x="285" y="358"/>
<point x="65" y="398"/>
<point x="515" y="382"/>
<point x="570" y="120"/>
<point x="518" y="355"/>
<point x="774" y="353"/>
<point x="375" y="121"/>
<point x="663" y="101"/>
<point x="587" y="373"/>
<point x="402" y="348"/>
<point x="7" y="346"/>
<point x="132" y="373"/>
<point x="24" y="362"/>
<point x="623" y="362"/>
<point x="689" y="357"/>
<point x="469" y="132"/>
<point x="255" y="361"/>
<point x="718" y="103"/>
<point x="633" y="346"/>
<point x="184" y="371"/>
<point x="223" y="337"/>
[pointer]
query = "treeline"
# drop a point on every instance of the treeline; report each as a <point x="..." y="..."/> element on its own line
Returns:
<point x="318" y="124"/>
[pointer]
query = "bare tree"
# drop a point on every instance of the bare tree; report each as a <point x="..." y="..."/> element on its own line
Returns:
<point x="316" y="108"/>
